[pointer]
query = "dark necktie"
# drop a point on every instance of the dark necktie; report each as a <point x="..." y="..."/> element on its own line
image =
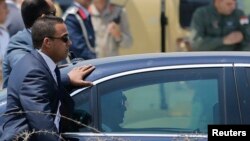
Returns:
<point x="58" y="77"/>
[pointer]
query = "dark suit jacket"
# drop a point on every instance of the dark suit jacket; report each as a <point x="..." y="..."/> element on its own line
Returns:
<point x="20" y="44"/>
<point x="31" y="87"/>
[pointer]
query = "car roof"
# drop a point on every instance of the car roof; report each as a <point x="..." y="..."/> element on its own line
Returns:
<point x="112" y="65"/>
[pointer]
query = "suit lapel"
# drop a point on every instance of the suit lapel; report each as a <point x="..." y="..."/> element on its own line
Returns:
<point x="42" y="61"/>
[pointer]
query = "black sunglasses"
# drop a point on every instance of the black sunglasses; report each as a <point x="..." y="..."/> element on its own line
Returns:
<point x="64" y="38"/>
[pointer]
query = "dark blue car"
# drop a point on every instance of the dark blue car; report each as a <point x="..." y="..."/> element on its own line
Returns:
<point x="161" y="97"/>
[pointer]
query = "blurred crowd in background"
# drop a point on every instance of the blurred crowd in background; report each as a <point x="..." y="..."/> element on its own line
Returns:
<point x="96" y="31"/>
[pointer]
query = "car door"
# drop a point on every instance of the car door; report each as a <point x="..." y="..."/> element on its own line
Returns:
<point x="165" y="103"/>
<point x="242" y="72"/>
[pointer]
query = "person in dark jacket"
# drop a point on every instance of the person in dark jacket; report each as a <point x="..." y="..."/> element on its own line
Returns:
<point x="220" y="27"/>
<point x="81" y="32"/>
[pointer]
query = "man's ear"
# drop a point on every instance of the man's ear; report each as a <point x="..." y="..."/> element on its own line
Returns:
<point x="46" y="42"/>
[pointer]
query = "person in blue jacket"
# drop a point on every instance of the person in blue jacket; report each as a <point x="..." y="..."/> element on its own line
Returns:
<point x="81" y="32"/>
<point x="21" y="43"/>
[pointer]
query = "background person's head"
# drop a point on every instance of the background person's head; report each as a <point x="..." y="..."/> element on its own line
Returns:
<point x="225" y="7"/>
<point x="100" y="1"/>
<point x="50" y="35"/>
<point x="33" y="9"/>
<point x="100" y="4"/>
<point x="3" y="11"/>
<point x="84" y="3"/>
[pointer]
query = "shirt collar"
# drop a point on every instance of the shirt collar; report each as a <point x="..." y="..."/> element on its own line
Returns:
<point x="29" y="30"/>
<point x="107" y="10"/>
<point x="83" y="8"/>
<point x="48" y="61"/>
<point x="10" y="2"/>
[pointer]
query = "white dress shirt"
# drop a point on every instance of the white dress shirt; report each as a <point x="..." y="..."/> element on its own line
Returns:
<point x="52" y="67"/>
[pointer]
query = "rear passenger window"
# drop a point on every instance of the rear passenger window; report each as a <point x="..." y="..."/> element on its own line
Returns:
<point x="82" y="112"/>
<point x="243" y="81"/>
<point x="173" y="101"/>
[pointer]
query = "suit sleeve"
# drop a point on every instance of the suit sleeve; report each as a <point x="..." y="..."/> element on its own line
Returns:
<point x="35" y="94"/>
<point x="15" y="55"/>
<point x="17" y="50"/>
<point x="200" y="41"/>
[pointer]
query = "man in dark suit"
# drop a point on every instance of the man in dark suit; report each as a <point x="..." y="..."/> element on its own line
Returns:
<point x="21" y="43"/>
<point x="35" y="89"/>
<point x="81" y="31"/>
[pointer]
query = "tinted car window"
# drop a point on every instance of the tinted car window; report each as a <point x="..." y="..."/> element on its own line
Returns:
<point x="163" y="101"/>
<point x="82" y="111"/>
<point x="243" y="81"/>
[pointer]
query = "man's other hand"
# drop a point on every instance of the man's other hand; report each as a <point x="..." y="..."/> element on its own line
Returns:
<point x="114" y="30"/>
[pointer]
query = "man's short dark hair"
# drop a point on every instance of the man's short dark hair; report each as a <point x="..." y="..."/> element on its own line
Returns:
<point x="33" y="9"/>
<point x="44" y="27"/>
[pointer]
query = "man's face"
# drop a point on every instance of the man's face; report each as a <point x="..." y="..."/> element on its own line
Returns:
<point x="3" y="12"/>
<point x="226" y="7"/>
<point x="60" y="43"/>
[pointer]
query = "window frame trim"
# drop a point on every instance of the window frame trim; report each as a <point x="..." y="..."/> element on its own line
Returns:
<point x="106" y="78"/>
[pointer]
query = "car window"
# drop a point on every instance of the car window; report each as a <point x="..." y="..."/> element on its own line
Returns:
<point x="171" y="101"/>
<point x="243" y="81"/>
<point x="82" y="111"/>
